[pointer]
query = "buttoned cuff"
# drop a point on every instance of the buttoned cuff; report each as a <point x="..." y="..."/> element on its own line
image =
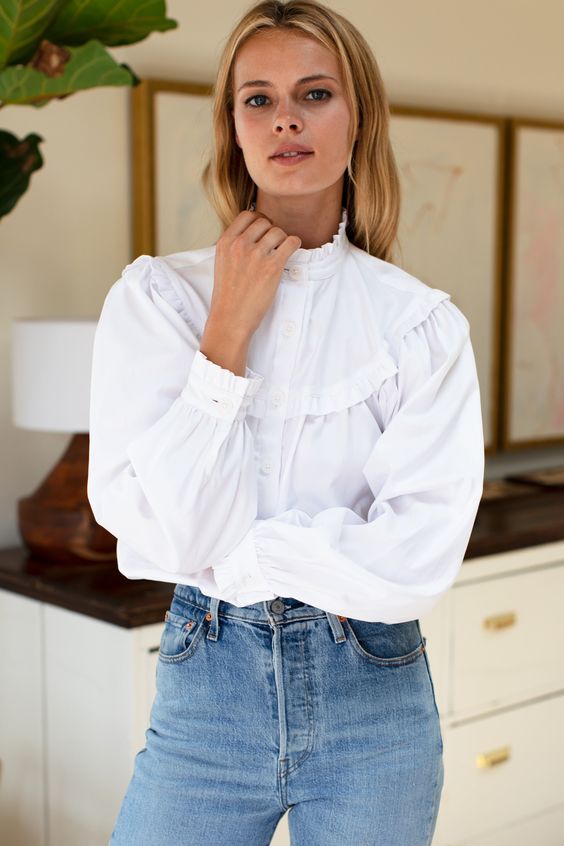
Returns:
<point x="219" y="391"/>
<point x="239" y="575"/>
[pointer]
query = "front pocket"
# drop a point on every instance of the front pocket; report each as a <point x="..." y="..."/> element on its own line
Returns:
<point x="386" y="644"/>
<point x="181" y="634"/>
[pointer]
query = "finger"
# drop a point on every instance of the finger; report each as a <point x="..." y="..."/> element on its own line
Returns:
<point x="287" y="246"/>
<point x="256" y="230"/>
<point x="272" y="238"/>
<point x="243" y="220"/>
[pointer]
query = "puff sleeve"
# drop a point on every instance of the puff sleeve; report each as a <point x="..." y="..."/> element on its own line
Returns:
<point x="170" y="453"/>
<point x="426" y="474"/>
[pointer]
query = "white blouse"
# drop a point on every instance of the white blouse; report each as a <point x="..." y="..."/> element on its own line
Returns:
<point x="345" y="468"/>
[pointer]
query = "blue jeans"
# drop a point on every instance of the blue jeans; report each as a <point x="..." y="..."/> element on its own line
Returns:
<point x="282" y="706"/>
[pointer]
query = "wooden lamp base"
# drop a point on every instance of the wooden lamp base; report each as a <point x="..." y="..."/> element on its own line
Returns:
<point x="56" y="521"/>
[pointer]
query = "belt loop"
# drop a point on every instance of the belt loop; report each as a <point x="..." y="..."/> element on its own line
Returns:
<point x="213" y="617"/>
<point x="336" y="623"/>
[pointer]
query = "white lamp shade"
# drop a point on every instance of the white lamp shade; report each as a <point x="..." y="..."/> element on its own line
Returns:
<point x="51" y="370"/>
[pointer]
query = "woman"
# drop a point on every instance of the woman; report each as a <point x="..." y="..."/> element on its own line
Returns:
<point x="310" y="510"/>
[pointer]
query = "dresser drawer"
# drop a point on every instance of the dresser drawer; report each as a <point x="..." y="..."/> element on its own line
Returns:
<point x="507" y="636"/>
<point x="545" y="829"/>
<point x="500" y="768"/>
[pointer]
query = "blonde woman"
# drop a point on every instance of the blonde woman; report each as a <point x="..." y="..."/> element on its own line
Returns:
<point x="287" y="427"/>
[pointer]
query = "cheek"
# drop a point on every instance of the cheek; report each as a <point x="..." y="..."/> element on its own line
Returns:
<point x="336" y="144"/>
<point x="245" y="125"/>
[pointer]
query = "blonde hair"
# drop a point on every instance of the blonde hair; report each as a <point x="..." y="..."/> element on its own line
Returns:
<point x="371" y="189"/>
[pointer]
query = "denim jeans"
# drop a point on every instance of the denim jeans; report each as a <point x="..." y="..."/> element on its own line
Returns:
<point x="280" y="706"/>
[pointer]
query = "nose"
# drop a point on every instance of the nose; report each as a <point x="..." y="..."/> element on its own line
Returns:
<point x="288" y="121"/>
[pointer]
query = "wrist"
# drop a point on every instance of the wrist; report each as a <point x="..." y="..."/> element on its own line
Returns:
<point x="226" y="347"/>
<point x="220" y="327"/>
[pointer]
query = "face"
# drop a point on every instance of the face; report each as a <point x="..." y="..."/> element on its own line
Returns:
<point x="314" y="114"/>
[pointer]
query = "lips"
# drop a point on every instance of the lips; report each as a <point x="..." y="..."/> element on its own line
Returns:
<point x="291" y="148"/>
<point x="286" y="156"/>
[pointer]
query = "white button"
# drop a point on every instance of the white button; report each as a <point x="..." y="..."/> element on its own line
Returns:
<point x="226" y="403"/>
<point x="267" y="467"/>
<point x="296" y="272"/>
<point x="289" y="328"/>
<point x="277" y="398"/>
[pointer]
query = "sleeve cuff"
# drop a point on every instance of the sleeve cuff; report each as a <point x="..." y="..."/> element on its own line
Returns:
<point x="219" y="391"/>
<point x="239" y="575"/>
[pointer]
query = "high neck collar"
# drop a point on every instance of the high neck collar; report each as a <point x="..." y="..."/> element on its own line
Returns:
<point x="319" y="262"/>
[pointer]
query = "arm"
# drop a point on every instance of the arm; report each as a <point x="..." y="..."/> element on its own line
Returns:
<point x="171" y="470"/>
<point x="426" y="473"/>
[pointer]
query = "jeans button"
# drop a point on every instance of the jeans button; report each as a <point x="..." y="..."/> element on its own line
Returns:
<point x="277" y="606"/>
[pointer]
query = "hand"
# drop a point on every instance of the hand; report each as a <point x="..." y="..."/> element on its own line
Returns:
<point x="249" y="260"/>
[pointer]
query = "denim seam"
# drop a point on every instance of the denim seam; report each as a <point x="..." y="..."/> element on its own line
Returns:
<point x="434" y="810"/>
<point x="434" y="696"/>
<point x="311" y="725"/>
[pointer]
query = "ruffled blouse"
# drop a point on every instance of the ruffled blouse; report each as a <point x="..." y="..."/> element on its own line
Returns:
<point x="345" y="468"/>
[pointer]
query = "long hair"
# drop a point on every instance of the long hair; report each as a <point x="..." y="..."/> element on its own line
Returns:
<point x="371" y="187"/>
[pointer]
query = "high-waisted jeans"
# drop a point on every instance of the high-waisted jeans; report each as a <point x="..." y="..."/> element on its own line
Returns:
<point x="280" y="706"/>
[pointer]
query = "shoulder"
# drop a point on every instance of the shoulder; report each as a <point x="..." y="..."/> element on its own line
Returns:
<point x="186" y="268"/>
<point x="183" y="280"/>
<point x="403" y="301"/>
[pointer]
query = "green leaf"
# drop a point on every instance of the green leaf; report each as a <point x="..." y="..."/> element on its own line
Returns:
<point x="89" y="66"/>
<point x="18" y="160"/>
<point x="22" y="23"/>
<point x="112" y="22"/>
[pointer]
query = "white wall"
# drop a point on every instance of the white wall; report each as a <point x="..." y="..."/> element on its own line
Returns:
<point x="69" y="237"/>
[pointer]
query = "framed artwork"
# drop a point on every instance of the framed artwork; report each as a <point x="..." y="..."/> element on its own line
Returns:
<point x="171" y="137"/>
<point x="452" y="169"/>
<point x="533" y="396"/>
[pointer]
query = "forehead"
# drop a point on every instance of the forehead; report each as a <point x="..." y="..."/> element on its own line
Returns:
<point x="279" y="54"/>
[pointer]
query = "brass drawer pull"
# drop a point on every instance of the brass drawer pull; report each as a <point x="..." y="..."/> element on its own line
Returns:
<point x="501" y="621"/>
<point x="492" y="759"/>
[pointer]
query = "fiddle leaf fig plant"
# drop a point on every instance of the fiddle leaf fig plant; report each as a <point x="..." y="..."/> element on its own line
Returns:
<point x="50" y="49"/>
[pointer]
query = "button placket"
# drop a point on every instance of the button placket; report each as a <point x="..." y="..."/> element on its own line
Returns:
<point x="290" y="314"/>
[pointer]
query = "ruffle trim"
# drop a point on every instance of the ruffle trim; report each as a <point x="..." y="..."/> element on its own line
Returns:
<point x="168" y="290"/>
<point x="225" y="380"/>
<point x="338" y="243"/>
<point x="358" y="387"/>
<point x="421" y="311"/>
<point x="336" y="397"/>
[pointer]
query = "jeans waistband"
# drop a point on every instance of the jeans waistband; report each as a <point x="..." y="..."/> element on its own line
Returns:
<point x="273" y="611"/>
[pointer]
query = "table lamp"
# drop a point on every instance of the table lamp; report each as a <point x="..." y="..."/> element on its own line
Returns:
<point x="51" y="368"/>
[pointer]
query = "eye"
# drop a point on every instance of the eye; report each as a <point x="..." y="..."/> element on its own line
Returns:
<point x="321" y="91"/>
<point x="248" y="101"/>
<point x="313" y="91"/>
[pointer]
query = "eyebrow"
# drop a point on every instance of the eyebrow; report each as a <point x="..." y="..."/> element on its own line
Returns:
<point x="265" y="84"/>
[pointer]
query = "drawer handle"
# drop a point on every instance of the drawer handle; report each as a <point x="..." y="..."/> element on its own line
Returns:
<point x="500" y="621"/>
<point x="492" y="759"/>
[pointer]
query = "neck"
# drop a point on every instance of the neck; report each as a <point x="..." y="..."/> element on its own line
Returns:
<point x="315" y="226"/>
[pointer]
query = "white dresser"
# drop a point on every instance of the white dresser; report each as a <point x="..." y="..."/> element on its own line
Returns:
<point x="496" y="648"/>
<point x="76" y="693"/>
